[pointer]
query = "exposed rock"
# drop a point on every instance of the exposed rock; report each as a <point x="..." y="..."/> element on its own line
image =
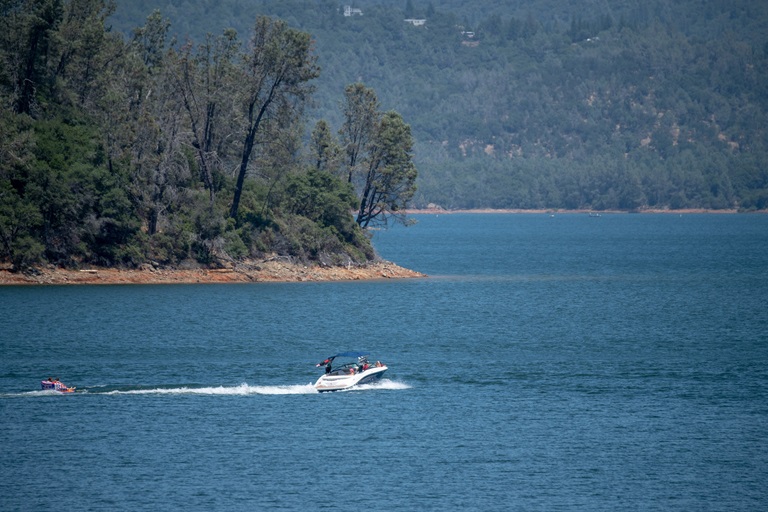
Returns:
<point x="273" y="270"/>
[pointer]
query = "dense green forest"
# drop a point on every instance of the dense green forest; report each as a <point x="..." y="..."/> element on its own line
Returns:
<point x="594" y="104"/>
<point x="132" y="149"/>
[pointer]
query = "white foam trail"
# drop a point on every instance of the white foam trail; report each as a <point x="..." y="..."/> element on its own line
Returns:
<point x="299" y="389"/>
<point x="245" y="389"/>
<point x="241" y="390"/>
<point x="384" y="384"/>
<point x="38" y="392"/>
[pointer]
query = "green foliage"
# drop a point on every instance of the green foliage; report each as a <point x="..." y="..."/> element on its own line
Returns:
<point x="325" y="152"/>
<point x="315" y="222"/>
<point x="234" y="245"/>
<point x="119" y="153"/>
<point x="19" y="221"/>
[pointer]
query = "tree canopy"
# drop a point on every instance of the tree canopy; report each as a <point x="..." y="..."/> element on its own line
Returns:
<point x="148" y="149"/>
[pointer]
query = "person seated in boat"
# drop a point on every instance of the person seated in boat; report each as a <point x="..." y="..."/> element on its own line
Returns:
<point x="352" y="370"/>
<point x="379" y="365"/>
<point x="365" y="366"/>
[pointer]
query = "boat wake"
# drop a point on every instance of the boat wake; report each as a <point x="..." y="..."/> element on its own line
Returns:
<point x="241" y="390"/>
<point x="37" y="392"/>
<point x="246" y="389"/>
<point x="382" y="384"/>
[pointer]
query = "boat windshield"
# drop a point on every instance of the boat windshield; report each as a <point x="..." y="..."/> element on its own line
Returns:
<point x="347" y="362"/>
<point x="345" y="368"/>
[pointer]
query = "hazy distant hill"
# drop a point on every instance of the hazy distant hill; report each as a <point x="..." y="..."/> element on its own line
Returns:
<point x="551" y="103"/>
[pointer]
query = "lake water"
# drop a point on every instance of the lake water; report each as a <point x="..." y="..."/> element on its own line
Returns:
<point x="547" y="363"/>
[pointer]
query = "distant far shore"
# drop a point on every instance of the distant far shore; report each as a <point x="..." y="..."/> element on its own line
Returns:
<point x="421" y="211"/>
<point x="252" y="272"/>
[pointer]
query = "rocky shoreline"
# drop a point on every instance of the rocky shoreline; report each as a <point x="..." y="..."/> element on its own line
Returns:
<point x="249" y="272"/>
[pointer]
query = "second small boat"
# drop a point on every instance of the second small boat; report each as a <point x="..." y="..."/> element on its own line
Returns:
<point x="56" y="385"/>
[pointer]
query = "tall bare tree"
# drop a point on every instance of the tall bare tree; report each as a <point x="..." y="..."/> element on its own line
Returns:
<point x="143" y="122"/>
<point x="361" y="114"/>
<point x="276" y="77"/>
<point x="390" y="180"/>
<point x="206" y="81"/>
<point x="379" y="151"/>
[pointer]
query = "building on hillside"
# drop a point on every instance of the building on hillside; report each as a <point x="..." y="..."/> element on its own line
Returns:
<point x="415" y="22"/>
<point x="468" y="39"/>
<point x="351" y="11"/>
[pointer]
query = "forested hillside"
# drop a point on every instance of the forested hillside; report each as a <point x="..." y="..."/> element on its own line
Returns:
<point x="130" y="149"/>
<point x="625" y="104"/>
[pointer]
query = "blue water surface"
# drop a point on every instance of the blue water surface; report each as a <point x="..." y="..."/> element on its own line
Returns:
<point x="548" y="363"/>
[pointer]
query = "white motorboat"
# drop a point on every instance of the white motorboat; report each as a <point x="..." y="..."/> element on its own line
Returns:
<point x="350" y="373"/>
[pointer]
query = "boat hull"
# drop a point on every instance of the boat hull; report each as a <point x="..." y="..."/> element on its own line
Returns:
<point x="331" y="382"/>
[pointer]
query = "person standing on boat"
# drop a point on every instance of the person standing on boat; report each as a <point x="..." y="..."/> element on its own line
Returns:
<point x="327" y="364"/>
